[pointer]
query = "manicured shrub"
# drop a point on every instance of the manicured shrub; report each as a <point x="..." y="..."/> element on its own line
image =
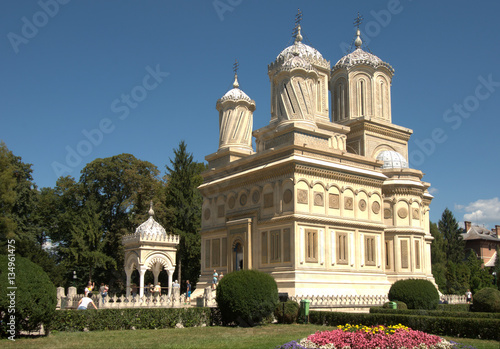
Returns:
<point x="246" y="297"/>
<point x="32" y="303"/>
<point x="416" y="293"/>
<point x="291" y="312"/>
<point x="486" y="300"/>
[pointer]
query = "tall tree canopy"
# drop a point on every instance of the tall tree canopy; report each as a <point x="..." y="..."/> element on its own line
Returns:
<point x="184" y="202"/>
<point x="454" y="244"/>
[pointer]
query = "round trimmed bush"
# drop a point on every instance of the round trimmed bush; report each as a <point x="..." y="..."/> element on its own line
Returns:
<point x="246" y="297"/>
<point x="31" y="304"/>
<point x="486" y="300"/>
<point x="291" y="312"/>
<point x="415" y="293"/>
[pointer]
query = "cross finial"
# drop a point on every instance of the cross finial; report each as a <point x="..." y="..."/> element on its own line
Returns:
<point x="235" y="66"/>
<point x="235" y="69"/>
<point x="296" y="29"/>
<point x="358" y="20"/>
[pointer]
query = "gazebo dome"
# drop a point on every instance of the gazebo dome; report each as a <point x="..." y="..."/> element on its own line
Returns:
<point x="150" y="227"/>
<point x="392" y="159"/>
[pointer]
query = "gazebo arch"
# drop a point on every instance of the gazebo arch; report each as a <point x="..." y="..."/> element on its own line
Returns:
<point x="150" y="248"/>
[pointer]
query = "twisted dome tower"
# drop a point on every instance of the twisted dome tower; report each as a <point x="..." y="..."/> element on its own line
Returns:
<point x="235" y="119"/>
<point x="299" y="85"/>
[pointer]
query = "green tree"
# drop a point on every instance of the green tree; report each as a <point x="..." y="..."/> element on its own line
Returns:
<point x="479" y="277"/>
<point x="496" y="269"/>
<point x="122" y="187"/>
<point x="453" y="243"/>
<point x="18" y="198"/>
<point x="184" y="201"/>
<point x="438" y="257"/>
<point x="86" y="247"/>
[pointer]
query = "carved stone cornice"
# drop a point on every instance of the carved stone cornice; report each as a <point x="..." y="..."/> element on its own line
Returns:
<point x="337" y="176"/>
<point x="322" y="220"/>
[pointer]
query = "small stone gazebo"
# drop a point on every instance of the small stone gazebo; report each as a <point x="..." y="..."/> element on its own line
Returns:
<point x="150" y="248"/>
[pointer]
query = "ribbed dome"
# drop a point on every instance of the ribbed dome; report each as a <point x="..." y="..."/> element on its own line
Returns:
<point x="301" y="50"/>
<point x="150" y="227"/>
<point x="392" y="159"/>
<point x="235" y="93"/>
<point x="361" y="57"/>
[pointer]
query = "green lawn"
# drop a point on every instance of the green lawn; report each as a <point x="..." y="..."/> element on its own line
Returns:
<point x="201" y="337"/>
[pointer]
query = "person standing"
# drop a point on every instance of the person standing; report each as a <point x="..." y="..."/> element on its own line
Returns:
<point x="157" y="290"/>
<point x="84" y="303"/>
<point x="468" y="296"/>
<point x="89" y="288"/>
<point x="215" y="279"/>
<point x="188" y="292"/>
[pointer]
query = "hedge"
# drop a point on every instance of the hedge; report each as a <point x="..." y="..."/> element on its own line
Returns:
<point x="443" y="326"/>
<point x="125" y="319"/>
<point x="423" y="312"/>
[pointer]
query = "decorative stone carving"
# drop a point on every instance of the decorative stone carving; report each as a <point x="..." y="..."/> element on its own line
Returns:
<point x="268" y="200"/>
<point x="302" y="196"/>
<point x="376" y="207"/>
<point x="402" y="213"/>
<point x="318" y="199"/>
<point x="387" y="213"/>
<point x="255" y="196"/>
<point x="348" y="203"/>
<point x="334" y="201"/>
<point x="220" y="211"/>
<point x="206" y="214"/>
<point x="287" y="196"/>
<point x="362" y="204"/>
<point x="231" y="202"/>
<point x="415" y="213"/>
<point x="243" y="199"/>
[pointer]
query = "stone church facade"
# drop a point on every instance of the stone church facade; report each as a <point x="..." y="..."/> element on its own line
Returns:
<point x="326" y="203"/>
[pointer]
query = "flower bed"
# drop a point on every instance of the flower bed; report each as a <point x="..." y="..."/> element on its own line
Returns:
<point x="363" y="337"/>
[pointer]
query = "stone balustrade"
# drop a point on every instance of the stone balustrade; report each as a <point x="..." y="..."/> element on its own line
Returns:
<point x="208" y="300"/>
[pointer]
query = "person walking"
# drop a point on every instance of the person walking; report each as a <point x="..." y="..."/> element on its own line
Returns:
<point x="89" y="288"/>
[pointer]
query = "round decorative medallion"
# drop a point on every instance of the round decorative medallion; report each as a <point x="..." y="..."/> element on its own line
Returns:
<point x="376" y="207"/>
<point x="231" y="202"/>
<point x="402" y="213"/>
<point x="362" y="205"/>
<point x="256" y="196"/>
<point x="206" y="214"/>
<point x="287" y="196"/>
<point x="243" y="199"/>
<point x="387" y="213"/>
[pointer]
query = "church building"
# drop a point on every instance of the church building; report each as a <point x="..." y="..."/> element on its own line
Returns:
<point x="327" y="202"/>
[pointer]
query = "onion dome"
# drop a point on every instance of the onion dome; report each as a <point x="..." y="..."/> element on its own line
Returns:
<point x="150" y="227"/>
<point x="392" y="159"/>
<point x="360" y="57"/>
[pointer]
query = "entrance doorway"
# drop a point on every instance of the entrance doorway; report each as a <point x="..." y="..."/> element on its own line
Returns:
<point x="238" y="257"/>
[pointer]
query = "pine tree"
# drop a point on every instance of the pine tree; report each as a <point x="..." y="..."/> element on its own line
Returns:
<point x="183" y="200"/>
<point x="454" y="244"/>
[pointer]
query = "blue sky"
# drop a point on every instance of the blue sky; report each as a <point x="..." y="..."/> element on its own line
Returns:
<point x="67" y="68"/>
